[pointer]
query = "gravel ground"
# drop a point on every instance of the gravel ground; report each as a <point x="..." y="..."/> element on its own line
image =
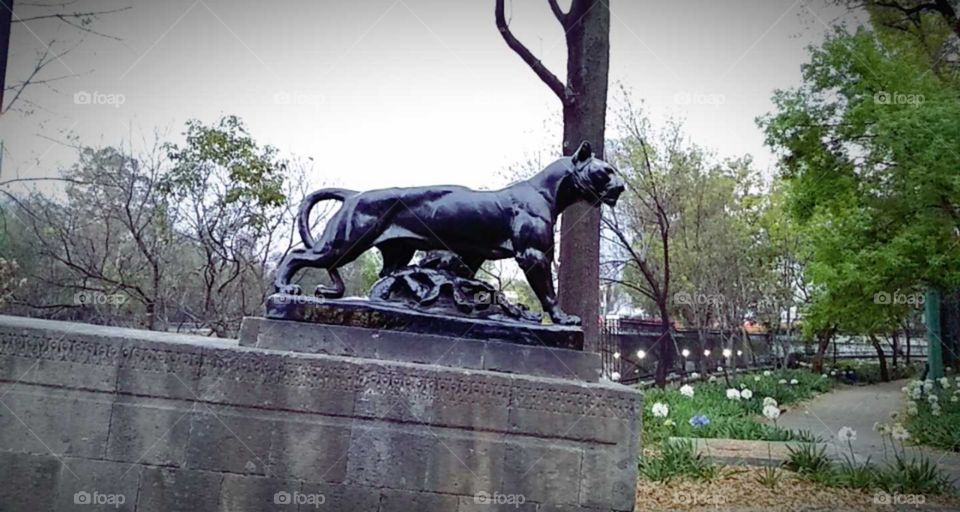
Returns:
<point x="737" y="489"/>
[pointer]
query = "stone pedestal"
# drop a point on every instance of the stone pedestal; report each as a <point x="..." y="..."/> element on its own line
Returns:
<point x="387" y="316"/>
<point x="173" y="422"/>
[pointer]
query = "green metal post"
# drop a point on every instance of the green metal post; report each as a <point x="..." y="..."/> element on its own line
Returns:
<point x="934" y="339"/>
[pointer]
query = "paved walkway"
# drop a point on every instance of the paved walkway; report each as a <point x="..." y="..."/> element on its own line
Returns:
<point x="859" y="407"/>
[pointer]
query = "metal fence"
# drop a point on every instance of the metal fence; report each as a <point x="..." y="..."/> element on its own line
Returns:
<point x="629" y="350"/>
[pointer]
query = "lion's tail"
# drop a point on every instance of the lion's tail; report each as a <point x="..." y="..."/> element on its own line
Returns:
<point x="303" y="215"/>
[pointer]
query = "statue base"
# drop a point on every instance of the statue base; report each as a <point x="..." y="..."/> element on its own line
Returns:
<point x="178" y="422"/>
<point x="387" y="316"/>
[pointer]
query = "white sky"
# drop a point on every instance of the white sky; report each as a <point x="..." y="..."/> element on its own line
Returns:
<point x="398" y="92"/>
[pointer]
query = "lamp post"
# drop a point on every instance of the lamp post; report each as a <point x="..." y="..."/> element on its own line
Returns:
<point x="934" y="339"/>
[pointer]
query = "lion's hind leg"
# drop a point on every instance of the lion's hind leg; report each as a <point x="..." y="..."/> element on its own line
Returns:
<point x="332" y="292"/>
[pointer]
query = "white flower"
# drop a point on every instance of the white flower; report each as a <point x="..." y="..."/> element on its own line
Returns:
<point x="899" y="433"/>
<point x="756" y="378"/>
<point x="766" y="373"/>
<point x="771" y="412"/>
<point x="770" y="401"/>
<point x="782" y="381"/>
<point x="746" y="394"/>
<point x="935" y="410"/>
<point x="847" y="434"/>
<point x="915" y="389"/>
<point x="944" y="383"/>
<point x="933" y="399"/>
<point x="955" y="398"/>
<point x="833" y="373"/>
<point x="615" y="376"/>
<point x="794" y="382"/>
<point x="686" y="390"/>
<point x="733" y="394"/>
<point x="823" y="376"/>
<point x="881" y="428"/>
<point x="713" y="378"/>
<point x="694" y="376"/>
<point x="719" y="368"/>
<point x="912" y="408"/>
<point x="660" y="410"/>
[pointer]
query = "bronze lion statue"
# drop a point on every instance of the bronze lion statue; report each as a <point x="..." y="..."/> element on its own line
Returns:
<point x="514" y="222"/>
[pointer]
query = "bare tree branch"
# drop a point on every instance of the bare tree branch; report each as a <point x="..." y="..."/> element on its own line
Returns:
<point x="558" y="12"/>
<point x="535" y="64"/>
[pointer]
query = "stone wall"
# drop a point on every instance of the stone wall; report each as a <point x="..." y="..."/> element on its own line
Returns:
<point x="96" y="418"/>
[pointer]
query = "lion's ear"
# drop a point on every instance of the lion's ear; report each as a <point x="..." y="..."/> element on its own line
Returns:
<point x="583" y="153"/>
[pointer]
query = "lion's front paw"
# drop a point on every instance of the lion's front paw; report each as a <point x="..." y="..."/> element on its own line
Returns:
<point x="290" y="289"/>
<point x="561" y="318"/>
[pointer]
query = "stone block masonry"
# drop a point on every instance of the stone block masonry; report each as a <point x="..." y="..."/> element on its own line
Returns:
<point x="101" y="418"/>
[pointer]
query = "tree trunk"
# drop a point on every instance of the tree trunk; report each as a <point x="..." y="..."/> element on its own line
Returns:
<point x="6" y="17"/>
<point x="584" y="118"/>
<point x="665" y="352"/>
<point x="823" y="342"/>
<point x="884" y="374"/>
<point x="895" y="345"/>
<point x="906" y="332"/>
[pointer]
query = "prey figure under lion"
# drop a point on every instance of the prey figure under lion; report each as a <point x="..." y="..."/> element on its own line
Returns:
<point x="515" y="222"/>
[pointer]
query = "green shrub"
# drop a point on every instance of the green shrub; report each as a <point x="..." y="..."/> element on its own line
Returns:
<point x="809" y="459"/>
<point x="940" y="431"/>
<point x="770" y="477"/>
<point x="868" y="372"/>
<point x="913" y="475"/>
<point x="850" y="475"/>
<point x="677" y="458"/>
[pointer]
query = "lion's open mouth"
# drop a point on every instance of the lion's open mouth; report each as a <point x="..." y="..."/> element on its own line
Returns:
<point x="611" y="197"/>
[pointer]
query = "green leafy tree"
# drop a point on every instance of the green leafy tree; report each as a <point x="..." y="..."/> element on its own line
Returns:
<point x="868" y="155"/>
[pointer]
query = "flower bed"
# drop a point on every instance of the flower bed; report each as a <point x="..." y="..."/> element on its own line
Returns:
<point x="933" y="412"/>
<point x="722" y="408"/>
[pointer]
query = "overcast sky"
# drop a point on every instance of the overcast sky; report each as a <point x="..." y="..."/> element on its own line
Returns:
<point x="396" y="92"/>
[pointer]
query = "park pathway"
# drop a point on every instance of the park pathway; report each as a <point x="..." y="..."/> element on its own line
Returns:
<point x="859" y="407"/>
